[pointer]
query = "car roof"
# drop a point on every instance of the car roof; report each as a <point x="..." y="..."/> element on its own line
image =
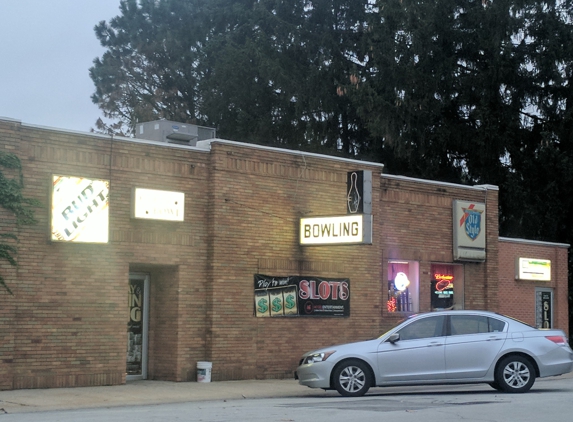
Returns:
<point x="461" y="312"/>
<point x="471" y="312"/>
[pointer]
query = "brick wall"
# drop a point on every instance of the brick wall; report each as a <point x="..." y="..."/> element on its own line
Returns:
<point x="258" y="198"/>
<point x="416" y="224"/>
<point x="519" y="295"/>
<point x="66" y="323"/>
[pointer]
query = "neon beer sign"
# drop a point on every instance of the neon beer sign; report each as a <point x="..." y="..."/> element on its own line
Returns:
<point x="444" y="281"/>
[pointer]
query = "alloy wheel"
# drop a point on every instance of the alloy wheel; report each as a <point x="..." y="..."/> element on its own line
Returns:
<point x="352" y="379"/>
<point x="516" y="374"/>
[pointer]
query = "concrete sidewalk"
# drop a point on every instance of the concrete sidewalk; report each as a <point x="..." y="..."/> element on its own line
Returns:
<point x="148" y="392"/>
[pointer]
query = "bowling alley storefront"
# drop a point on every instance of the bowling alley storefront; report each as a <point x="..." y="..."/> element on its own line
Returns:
<point x="149" y="257"/>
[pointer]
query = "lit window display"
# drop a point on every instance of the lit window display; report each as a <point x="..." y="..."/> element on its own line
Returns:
<point x="446" y="287"/>
<point x="403" y="287"/>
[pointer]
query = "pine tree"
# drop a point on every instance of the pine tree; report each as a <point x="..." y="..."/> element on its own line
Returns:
<point x="263" y="71"/>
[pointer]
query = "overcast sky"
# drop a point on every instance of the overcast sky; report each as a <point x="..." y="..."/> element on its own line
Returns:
<point x="46" y="50"/>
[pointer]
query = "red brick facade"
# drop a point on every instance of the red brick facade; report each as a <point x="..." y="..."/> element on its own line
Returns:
<point x="65" y="325"/>
<point x="519" y="295"/>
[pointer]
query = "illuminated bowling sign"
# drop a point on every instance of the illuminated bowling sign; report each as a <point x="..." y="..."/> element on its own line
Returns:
<point x="345" y="229"/>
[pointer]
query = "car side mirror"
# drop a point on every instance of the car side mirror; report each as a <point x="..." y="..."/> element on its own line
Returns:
<point x="394" y="338"/>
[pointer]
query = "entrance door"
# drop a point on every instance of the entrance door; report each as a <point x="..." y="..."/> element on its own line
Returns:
<point x="137" y="326"/>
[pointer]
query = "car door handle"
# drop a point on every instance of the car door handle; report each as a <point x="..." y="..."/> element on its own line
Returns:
<point x="493" y="338"/>
<point x="435" y="343"/>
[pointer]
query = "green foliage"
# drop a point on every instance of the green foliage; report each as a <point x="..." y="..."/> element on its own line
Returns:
<point x="466" y="91"/>
<point x="11" y="199"/>
<point x="475" y="92"/>
<point x="262" y="71"/>
<point x="7" y="253"/>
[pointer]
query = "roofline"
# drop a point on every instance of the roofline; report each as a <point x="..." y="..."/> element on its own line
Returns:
<point x="207" y="144"/>
<point x="10" y="119"/>
<point x="436" y="182"/>
<point x="106" y="136"/>
<point x="157" y="143"/>
<point x="533" y="242"/>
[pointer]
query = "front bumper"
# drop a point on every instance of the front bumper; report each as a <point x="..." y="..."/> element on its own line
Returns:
<point x="314" y="375"/>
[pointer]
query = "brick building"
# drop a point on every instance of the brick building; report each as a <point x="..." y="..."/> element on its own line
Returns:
<point x="177" y="252"/>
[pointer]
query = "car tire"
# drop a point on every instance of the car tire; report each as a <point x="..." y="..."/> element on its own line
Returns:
<point x="515" y="374"/>
<point x="352" y="378"/>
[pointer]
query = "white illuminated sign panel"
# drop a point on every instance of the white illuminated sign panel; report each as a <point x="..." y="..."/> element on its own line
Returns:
<point x="533" y="269"/>
<point x="80" y="209"/>
<point x="355" y="228"/>
<point x="158" y="204"/>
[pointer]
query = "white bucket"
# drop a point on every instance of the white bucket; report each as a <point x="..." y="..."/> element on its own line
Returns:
<point x="204" y="371"/>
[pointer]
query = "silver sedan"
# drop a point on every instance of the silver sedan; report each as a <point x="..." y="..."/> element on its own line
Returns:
<point x="448" y="347"/>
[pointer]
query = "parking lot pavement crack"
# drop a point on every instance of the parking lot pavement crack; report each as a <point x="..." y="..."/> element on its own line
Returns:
<point x="11" y="403"/>
<point x="389" y="405"/>
<point x="459" y="417"/>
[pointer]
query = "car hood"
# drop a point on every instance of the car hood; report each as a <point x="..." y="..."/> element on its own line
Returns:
<point x="345" y="347"/>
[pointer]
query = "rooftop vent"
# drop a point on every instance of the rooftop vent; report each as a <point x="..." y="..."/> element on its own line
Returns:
<point x="173" y="132"/>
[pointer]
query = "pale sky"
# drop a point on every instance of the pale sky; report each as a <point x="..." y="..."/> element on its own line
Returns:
<point x="46" y="50"/>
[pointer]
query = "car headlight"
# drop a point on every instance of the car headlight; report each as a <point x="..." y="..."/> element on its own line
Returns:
<point x="317" y="357"/>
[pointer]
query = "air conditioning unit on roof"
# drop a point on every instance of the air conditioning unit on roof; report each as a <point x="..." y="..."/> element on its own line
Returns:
<point x="173" y="132"/>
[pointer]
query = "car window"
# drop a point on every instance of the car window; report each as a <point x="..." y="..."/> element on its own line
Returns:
<point x="495" y="325"/>
<point x="423" y="328"/>
<point x="474" y="324"/>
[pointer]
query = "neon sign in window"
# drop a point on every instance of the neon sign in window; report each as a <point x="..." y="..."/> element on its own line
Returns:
<point x="402" y="291"/>
<point x="442" y="291"/>
<point x="444" y="282"/>
<point x="402" y="283"/>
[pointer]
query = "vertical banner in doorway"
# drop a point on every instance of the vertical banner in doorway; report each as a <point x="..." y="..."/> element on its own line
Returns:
<point x="135" y="327"/>
<point x="544" y="308"/>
